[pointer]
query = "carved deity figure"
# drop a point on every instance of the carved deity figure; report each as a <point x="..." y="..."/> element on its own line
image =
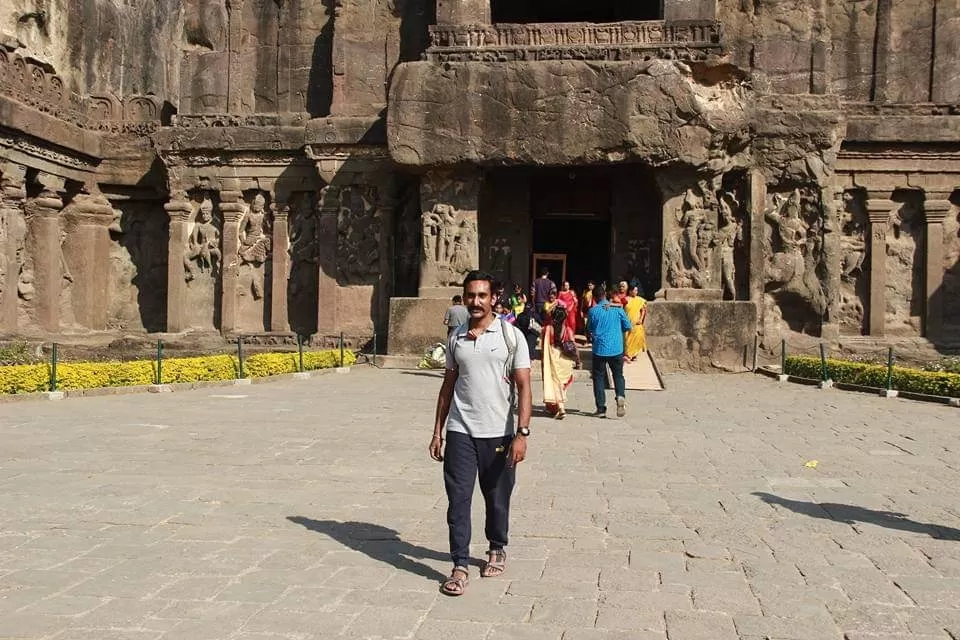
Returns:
<point x="432" y="223"/>
<point x="203" y="243"/>
<point x="728" y="237"/>
<point x="254" y="242"/>
<point x="691" y="262"/>
<point x="500" y="257"/>
<point x="460" y="255"/>
<point x="790" y="238"/>
<point x="853" y="248"/>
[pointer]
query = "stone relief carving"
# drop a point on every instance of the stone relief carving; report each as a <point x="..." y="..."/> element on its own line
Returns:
<point x="905" y="293"/>
<point x="794" y="245"/>
<point x="448" y="243"/>
<point x="304" y="248"/>
<point x="853" y="225"/>
<point x="500" y="255"/>
<point x="449" y="233"/>
<point x="203" y="253"/>
<point x="635" y="40"/>
<point x="358" y="234"/>
<point x="34" y="83"/>
<point x="254" y="243"/>
<point x="689" y="250"/>
<point x="728" y="238"/>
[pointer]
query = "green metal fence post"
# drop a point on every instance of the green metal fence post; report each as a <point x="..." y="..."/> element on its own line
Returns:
<point x="53" y="367"/>
<point x="823" y="363"/>
<point x="783" y="357"/>
<point x="300" y="352"/>
<point x="341" y="349"/>
<point x="889" y="368"/>
<point x="240" y="354"/>
<point x="159" y="362"/>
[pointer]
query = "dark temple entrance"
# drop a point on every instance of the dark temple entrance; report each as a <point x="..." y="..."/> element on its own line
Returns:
<point x="570" y="211"/>
<point x="600" y="223"/>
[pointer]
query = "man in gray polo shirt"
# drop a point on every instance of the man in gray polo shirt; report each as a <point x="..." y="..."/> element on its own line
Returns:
<point x="486" y="357"/>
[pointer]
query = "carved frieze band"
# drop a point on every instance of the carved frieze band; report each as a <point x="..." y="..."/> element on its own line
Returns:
<point x="35" y="84"/>
<point x="573" y="41"/>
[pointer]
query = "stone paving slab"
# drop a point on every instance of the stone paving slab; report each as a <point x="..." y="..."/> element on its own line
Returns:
<point x="309" y="509"/>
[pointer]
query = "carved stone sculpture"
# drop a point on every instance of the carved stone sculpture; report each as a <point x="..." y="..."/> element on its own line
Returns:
<point x="853" y="246"/>
<point x="203" y="242"/>
<point x="255" y="242"/>
<point x="449" y="241"/>
<point x="358" y="235"/>
<point x="789" y="240"/>
<point x="691" y="261"/>
<point x="727" y="238"/>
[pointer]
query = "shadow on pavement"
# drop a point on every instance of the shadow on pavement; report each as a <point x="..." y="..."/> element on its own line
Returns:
<point x="851" y="514"/>
<point x="379" y="543"/>
<point x="427" y="374"/>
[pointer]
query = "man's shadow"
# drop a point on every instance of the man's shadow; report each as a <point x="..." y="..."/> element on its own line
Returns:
<point x="851" y="514"/>
<point x="379" y="543"/>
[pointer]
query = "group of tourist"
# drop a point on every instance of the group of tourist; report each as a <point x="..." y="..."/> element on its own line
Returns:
<point x="488" y="360"/>
<point x="550" y="320"/>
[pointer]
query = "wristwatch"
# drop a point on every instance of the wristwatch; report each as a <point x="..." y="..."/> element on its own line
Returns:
<point x="523" y="431"/>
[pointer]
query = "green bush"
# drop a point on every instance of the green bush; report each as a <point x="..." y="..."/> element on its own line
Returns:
<point x="31" y="378"/>
<point x="872" y="375"/>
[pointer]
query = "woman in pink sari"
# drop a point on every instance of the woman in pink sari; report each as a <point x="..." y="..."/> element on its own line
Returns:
<point x="568" y="298"/>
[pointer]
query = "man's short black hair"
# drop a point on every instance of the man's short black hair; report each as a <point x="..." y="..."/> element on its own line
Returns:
<point x="476" y="276"/>
<point x="457" y="299"/>
<point x="544" y="271"/>
<point x="601" y="292"/>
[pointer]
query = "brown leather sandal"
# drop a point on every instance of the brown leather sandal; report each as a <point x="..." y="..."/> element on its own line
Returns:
<point x="457" y="583"/>
<point x="496" y="564"/>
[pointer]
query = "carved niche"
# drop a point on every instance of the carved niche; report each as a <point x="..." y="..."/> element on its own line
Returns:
<point x="449" y="248"/>
<point x="254" y="246"/>
<point x="303" y="283"/>
<point x="854" y="283"/>
<point x="358" y="235"/>
<point x="905" y="293"/>
<point x="203" y="253"/>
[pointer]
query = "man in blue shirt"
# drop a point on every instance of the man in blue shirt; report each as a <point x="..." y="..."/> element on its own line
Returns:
<point x="607" y="323"/>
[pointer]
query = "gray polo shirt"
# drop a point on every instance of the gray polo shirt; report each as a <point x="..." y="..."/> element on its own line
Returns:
<point x="481" y="405"/>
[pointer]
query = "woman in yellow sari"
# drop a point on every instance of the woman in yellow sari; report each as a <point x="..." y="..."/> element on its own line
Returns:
<point x="636" y="338"/>
<point x="557" y="365"/>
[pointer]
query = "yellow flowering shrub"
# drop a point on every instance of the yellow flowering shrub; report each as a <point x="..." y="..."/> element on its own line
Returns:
<point x="933" y="383"/>
<point x="91" y="375"/>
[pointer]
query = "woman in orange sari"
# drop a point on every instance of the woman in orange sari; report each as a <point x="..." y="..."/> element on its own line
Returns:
<point x="557" y="364"/>
<point x="568" y="298"/>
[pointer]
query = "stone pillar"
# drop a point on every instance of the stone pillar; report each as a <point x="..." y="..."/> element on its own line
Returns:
<point x="466" y="12"/>
<point x="87" y="253"/>
<point x="280" y="272"/>
<point x="758" y="257"/>
<point x="451" y="242"/>
<point x="235" y="70"/>
<point x="329" y="208"/>
<point x="387" y="206"/>
<point x="832" y="232"/>
<point x="178" y="208"/>
<point x="12" y="234"/>
<point x="936" y="208"/>
<point x="878" y="211"/>
<point x="46" y="251"/>
<point x="232" y="207"/>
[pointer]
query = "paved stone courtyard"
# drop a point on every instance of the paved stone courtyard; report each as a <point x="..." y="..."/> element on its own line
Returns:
<point x="309" y="509"/>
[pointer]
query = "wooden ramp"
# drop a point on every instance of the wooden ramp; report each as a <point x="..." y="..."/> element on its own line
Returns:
<point x="642" y="374"/>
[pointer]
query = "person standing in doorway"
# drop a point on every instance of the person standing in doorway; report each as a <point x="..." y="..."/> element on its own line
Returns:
<point x="586" y="303"/>
<point x="541" y="290"/>
<point x="488" y="364"/>
<point x="456" y="315"/>
<point x="607" y="324"/>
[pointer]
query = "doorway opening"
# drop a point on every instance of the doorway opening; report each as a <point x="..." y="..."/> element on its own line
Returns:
<point x="577" y="250"/>
<point x="598" y="11"/>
